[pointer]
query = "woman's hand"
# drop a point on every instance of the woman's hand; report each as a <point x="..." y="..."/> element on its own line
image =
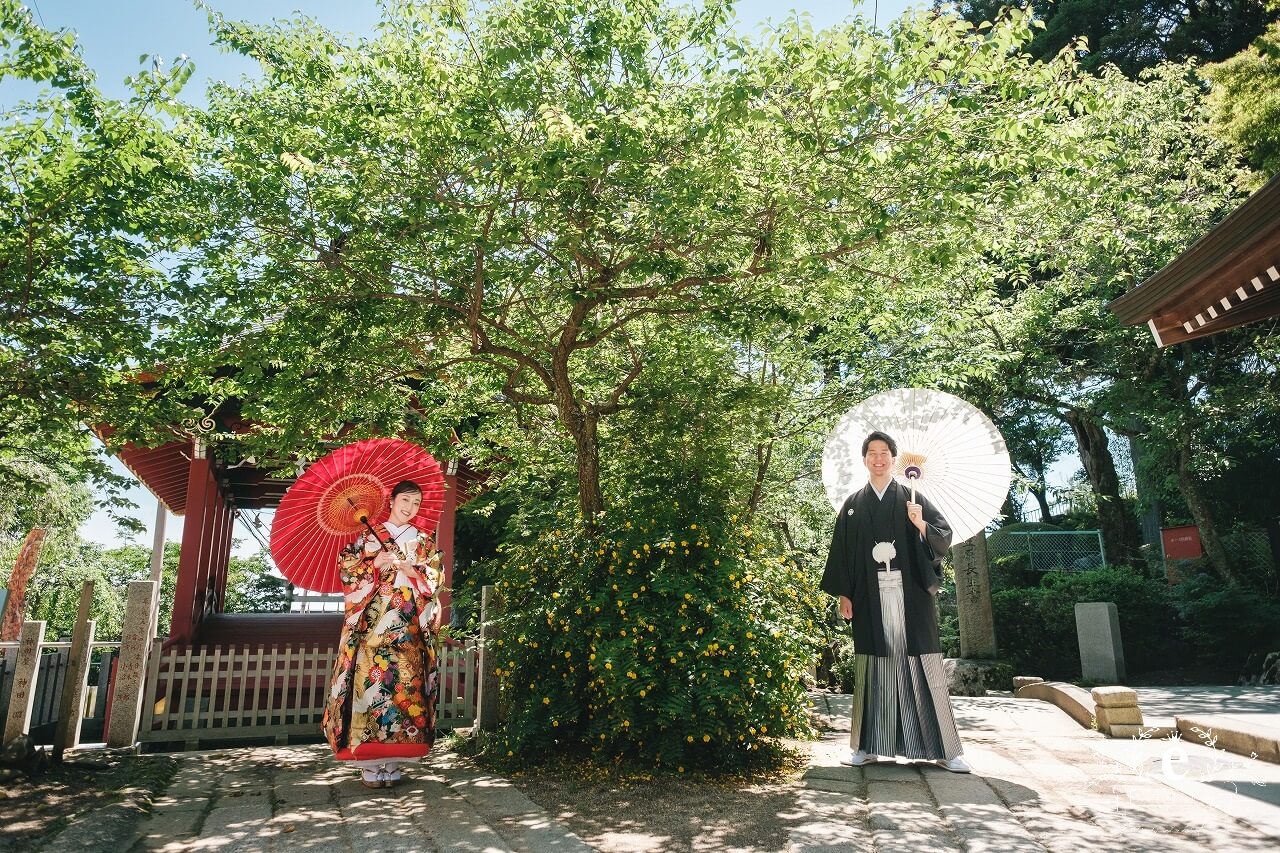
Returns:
<point x="384" y="558"/>
<point x="846" y="608"/>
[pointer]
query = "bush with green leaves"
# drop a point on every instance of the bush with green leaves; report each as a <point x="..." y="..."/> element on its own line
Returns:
<point x="673" y="641"/>
<point x="1226" y="623"/>
<point x="1036" y="629"/>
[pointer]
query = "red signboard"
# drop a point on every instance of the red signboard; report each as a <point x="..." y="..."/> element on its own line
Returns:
<point x="1182" y="543"/>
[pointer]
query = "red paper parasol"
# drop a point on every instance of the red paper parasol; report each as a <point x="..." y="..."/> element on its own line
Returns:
<point x="321" y="513"/>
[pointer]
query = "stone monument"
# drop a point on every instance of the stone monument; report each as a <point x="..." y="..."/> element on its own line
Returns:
<point x="973" y="598"/>
<point x="1101" y="653"/>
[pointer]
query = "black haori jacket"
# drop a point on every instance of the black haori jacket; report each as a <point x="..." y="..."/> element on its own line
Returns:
<point x="851" y="571"/>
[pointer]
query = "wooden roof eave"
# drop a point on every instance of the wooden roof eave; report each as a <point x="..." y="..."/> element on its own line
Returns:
<point x="1240" y="254"/>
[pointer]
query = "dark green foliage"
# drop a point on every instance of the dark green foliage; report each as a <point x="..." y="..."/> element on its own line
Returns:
<point x="251" y="588"/>
<point x="1224" y="623"/>
<point x="1036" y="630"/>
<point x="1137" y="34"/>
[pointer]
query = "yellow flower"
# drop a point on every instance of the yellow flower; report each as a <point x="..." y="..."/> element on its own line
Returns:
<point x="630" y="674"/>
<point x="608" y="665"/>
<point x="706" y="738"/>
<point x="555" y="724"/>
<point x="641" y="694"/>
<point x="726" y="673"/>
<point x="689" y="738"/>
<point x="546" y="700"/>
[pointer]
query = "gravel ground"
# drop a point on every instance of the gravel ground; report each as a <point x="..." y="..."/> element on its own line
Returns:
<point x="638" y="812"/>
<point x="35" y="809"/>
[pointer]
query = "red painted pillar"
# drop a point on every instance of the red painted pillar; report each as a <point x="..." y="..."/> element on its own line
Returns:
<point x="208" y="522"/>
<point x="222" y="553"/>
<point x="182" y="621"/>
<point x="444" y="540"/>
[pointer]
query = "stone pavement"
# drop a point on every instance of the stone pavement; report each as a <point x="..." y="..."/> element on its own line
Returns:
<point x="299" y="799"/>
<point x="1040" y="782"/>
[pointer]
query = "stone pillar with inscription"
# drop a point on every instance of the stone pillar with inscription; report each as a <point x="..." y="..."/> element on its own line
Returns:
<point x="487" y="700"/>
<point x="23" y="694"/>
<point x="131" y="669"/>
<point x="973" y="598"/>
<point x="71" y="703"/>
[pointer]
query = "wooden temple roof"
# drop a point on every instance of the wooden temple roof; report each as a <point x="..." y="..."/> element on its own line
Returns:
<point x="1227" y="278"/>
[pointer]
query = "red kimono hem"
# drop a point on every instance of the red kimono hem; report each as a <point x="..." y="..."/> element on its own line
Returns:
<point x="372" y="749"/>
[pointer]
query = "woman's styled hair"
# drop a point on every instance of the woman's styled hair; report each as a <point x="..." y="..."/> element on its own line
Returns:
<point x="405" y="487"/>
<point x="880" y="436"/>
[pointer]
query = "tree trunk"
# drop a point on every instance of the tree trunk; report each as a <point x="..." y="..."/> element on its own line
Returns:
<point x="1120" y="534"/>
<point x="1046" y="516"/>
<point x="1200" y="512"/>
<point x="23" y="568"/>
<point x="582" y="422"/>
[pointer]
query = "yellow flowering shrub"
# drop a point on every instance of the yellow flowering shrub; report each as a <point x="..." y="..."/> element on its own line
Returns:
<point x="678" y="644"/>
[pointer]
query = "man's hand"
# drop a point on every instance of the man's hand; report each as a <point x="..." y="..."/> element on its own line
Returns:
<point x="846" y="608"/>
<point x="915" y="514"/>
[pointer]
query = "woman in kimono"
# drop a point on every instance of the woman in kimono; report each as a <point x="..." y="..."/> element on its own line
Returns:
<point x="382" y="703"/>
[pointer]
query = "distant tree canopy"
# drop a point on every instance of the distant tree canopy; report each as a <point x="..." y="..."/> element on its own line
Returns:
<point x="1137" y="34"/>
<point x="1246" y="101"/>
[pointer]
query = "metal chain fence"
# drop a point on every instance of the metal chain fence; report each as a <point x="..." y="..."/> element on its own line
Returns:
<point x="1048" y="550"/>
<point x="1249" y="552"/>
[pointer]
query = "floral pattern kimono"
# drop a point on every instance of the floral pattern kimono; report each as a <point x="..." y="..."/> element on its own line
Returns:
<point x="382" y="700"/>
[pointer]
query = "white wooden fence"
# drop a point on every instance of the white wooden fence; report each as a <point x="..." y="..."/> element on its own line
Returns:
<point x="240" y="692"/>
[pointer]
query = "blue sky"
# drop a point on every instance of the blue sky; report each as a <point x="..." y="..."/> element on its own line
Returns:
<point x="114" y="33"/>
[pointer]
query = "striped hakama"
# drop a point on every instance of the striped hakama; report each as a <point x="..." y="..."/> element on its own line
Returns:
<point x="900" y="702"/>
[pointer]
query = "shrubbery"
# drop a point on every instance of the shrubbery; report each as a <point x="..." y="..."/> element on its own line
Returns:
<point x="1036" y="629"/>
<point x="682" y="644"/>
<point x="1224" y="623"/>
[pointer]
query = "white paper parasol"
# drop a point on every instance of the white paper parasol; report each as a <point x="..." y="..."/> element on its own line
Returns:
<point x="959" y="455"/>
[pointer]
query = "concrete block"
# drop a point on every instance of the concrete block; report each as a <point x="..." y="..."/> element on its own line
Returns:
<point x="1114" y="697"/>
<point x="1098" y="631"/>
<point x="1108" y="717"/>
<point x="1123" y="731"/>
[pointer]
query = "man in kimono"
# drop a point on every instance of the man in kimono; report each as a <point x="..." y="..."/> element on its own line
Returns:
<point x="884" y="566"/>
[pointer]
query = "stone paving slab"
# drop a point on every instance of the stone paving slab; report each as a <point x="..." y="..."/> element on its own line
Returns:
<point x="1041" y="782"/>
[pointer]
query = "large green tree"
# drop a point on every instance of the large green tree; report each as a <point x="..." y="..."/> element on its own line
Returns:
<point x="1246" y="100"/>
<point x="522" y="201"/>
<point x="82" y="212"/>
<point x="1040" y="285"/>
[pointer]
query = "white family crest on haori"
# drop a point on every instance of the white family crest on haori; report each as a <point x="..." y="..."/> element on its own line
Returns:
<point x="947" y="448"/>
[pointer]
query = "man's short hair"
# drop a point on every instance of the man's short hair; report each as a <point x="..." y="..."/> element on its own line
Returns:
<point x="880" y="436"/>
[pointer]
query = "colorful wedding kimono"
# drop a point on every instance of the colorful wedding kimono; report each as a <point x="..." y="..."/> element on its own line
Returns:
<point x="382" y="700"/>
